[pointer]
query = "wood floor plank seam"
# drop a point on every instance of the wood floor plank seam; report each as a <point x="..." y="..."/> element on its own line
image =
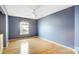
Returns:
<point x="36" y="46"/>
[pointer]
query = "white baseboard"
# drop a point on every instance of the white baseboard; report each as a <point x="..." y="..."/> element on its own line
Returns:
<point x="77" y="48"/>
<point x="59" y="44"/>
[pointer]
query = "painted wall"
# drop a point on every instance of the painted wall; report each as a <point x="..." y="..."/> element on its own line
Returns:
<point x="14" y="27"/>
<point x="3" y="27"/>
<point x="58" y="27"/>
<point x="4" y="24"/>
<point x="77" y="27"/>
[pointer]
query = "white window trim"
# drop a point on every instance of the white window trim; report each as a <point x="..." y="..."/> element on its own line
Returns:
<point x="21" y="32"/>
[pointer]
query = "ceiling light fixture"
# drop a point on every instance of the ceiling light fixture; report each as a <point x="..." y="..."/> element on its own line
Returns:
<point x="34" y="15"/>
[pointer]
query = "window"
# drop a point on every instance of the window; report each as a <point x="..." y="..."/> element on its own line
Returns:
<point x="24" y="28"/>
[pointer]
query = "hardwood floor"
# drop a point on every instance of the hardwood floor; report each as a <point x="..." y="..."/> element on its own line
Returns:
<point x="36" y="46"/>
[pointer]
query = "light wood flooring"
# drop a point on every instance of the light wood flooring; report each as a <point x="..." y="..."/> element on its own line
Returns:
<point x="36" y="46"/>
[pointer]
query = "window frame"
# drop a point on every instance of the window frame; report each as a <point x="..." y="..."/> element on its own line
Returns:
<point x="26" y="23"/>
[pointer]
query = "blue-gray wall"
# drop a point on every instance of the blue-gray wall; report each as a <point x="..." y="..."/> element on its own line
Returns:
<point x="14" y="27"/>
<point x="3" y="27"/>
<point x="2" y="23"/>
<point x="77" y="27"/>
<point x="58" y="27"/>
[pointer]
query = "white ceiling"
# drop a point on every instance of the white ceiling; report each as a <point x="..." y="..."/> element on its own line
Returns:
<point x="34" y="11"/>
